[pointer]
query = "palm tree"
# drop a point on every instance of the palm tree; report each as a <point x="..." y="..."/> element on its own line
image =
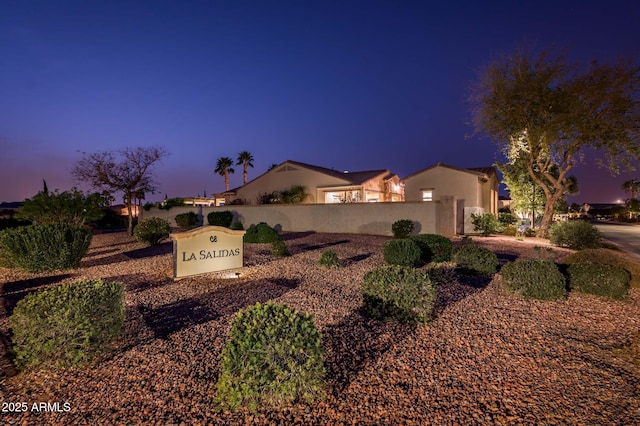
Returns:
<point x="246" y="159"/>
<point x="223" y="168"/>
<point x="631" y="186"/>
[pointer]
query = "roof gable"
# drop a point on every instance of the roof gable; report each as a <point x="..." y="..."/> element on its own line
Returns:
<point x="478" y="171"/>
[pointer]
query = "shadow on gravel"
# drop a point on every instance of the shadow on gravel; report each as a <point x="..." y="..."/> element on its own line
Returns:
<point x="179" y="315"/>
<point x="357" y="258"/>
<point x="463" y="287"/>
<point x="506" y="257"/>
<point x="14" y="291"/>
<point x="288" y="236"/>
<point x="159" y="250"/>
<point x="357" y="342"/>
<point x="99" y="252"/>
<point x="303" y="247"/>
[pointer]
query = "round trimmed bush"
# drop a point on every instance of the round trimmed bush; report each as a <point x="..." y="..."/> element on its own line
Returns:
<point x="575" y="234"/>
<point x="237" y="226"/>
<point x="261" y="233"/>
<point x="534" y="279"/>
<point x="608" y="281"/>
<point x="401" y="252"/>
<point x="44" y="247"/>
<point x="433" y="247"/>
<point x="274" y="355"/>
<point x="223" y="218"/>
<point x="188" y="220"/>
<point x="152" y="231"/>
<point x="279" y="249"/>
<point x="329" y="259"/>
<point x="609" y="257"/>
<point x="402" y="228"/>
<point x="67" y="324"/>
<point x="475" y="260"/>
<point x="398" y="292"/>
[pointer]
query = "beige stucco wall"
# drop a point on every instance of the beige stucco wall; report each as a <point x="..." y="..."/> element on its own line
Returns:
<point x="445" y="182"/>
<point x="360" y="218"/>
<point x="276" y="180"/>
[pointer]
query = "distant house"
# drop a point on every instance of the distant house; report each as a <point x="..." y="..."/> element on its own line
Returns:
<point x="321" y="184"/>
<point x="478" y="186"/>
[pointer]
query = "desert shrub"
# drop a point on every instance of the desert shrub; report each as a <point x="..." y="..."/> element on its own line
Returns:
<point x="67" y="324"/>
<point x="402" y="228"/>
<point x="609" y="257"/>
<point x="609" y="281"/>
<point x="71" y="206"/>
<point x="261" y="233"/>
<point x="45" y="247"/>
<point x="510" y="230"/>
<point x="223" y="218"/>
<point x="475" y="260"/>
<point x="171" y="202"/>
<point x="152" y="231"/>
<point x="279" y="249"/>
<point x="237" y="226"/>
<point x="534" y="279"/>
<point x="274" y="355"/>
<point x="188" y="220"/>
<point x="433" y="247"/>
<point x="507" y="219"/>
<point x="442" y="272"/>
<point x="575" y="234"/>
<point x="486" y="224"/>
<point x="398" y="292"/>
<point x="401" y="252"/>
<point x="329" y="258"/>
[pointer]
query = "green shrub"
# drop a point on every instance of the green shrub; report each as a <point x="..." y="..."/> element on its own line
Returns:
<point x="274" y="356"/>
<point x="329" y="258"/>
<point x="507" y="219"/>
<point x="223" y="218"/>
<point x="261" y="233"/>
<point x="45" y="247"/>
<point x="401" y="252"/>
<point x="433" y="247"/>
<point x="442" y="272"/>
<point x="534" y="279"/>
<point x="402" y="228"/>
<point x="475" y="260"/>
<point x="237" y="226"/>
<point x="279" y="249"/>
<point x="187" y="220"/>
<point x="152" y="231"/>
<point x="486" y="223"/>
<point x="67" y="324"/>
<point x="575" y="234"/>
<point x="171" y="202"/>
<point x="609" y="257"/>
<point x="601" y="280"/>
<point x="510" y="230"/>
<point x="398" y="292"/>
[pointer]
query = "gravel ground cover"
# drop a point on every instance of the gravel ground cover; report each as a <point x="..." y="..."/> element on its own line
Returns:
<point x="486" y="359"/>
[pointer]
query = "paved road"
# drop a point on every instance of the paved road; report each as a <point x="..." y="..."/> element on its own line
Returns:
<point x="624" y="235"/>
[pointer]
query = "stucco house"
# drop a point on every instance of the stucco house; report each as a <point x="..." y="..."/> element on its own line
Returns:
<point x="322" y="185"/>
<point x="477" y="186"/>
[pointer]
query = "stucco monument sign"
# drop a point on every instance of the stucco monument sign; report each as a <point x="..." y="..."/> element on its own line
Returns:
<point x="206" y="249"/>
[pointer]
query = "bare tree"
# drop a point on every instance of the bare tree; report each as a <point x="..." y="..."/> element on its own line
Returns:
<point x="128" y="170"/>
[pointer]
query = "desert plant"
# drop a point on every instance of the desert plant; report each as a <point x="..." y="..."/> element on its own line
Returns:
<point x="67" y="324"/>
<point x="329" y="259"/>
<point x="401" y="252"/>
<point x="261" y="233"/>
<point x="188" y="220"/>
<point x="402" y="228"/>
<point x="168" y="203"/>
<point x="279" y="249"/>
<point x="398" y="292"/>
<point x="510" y="230"/>
<point x="575" y="234"/>
<point x="433" y="247"/>
<point x="223" y="218"/>
<point x="46" y="247"/>
<point x="609" y="257"/>
<point x="237" y="226"/>
<point x="152" y="231"/>
<point x="507" y="219"/>
<point x="475" y="260"/>
<point x="274" y="355"/>
<point x="534" y="279"/>
<point x="486" y="223"/>
<point x="442" y="272"/>
<point x="609" y="281"/>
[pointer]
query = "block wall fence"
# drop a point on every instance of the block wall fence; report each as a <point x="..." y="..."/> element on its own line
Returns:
<point x="436" y="217"/>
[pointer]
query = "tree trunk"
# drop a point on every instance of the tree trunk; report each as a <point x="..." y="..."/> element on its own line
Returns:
<point x="244" y="176"/>
<point x="547" y="217"/>
<point x="226" y="180"/>
<point x="129" y="214"/>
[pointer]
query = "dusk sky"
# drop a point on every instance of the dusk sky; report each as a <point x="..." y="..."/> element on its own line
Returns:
<point x="350" y="85"/>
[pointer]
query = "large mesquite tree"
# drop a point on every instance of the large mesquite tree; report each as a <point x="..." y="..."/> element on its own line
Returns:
<point x="129" y="170"/>
<point x="550" y="111"/>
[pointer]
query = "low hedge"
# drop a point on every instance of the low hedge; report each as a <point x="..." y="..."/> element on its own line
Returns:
<point x="608" y="281"/>
<point x="433" y="247"/>
<point x="534" y="279"/>
<point x="401" y="252"/>
<point x="261" y="233"/>
<point x="188" y="220"/>
<point x="151" y="231"/>
<point x="223" y="218"/>
<point x="475" y="260"/>
<point x="609" y="257"/>
<point x="68" y="324"/>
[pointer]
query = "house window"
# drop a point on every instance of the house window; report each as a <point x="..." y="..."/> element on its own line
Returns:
<point x="427" y="195"/>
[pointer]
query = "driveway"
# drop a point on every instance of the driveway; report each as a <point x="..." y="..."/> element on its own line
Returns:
<point x="624" y="235"/>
